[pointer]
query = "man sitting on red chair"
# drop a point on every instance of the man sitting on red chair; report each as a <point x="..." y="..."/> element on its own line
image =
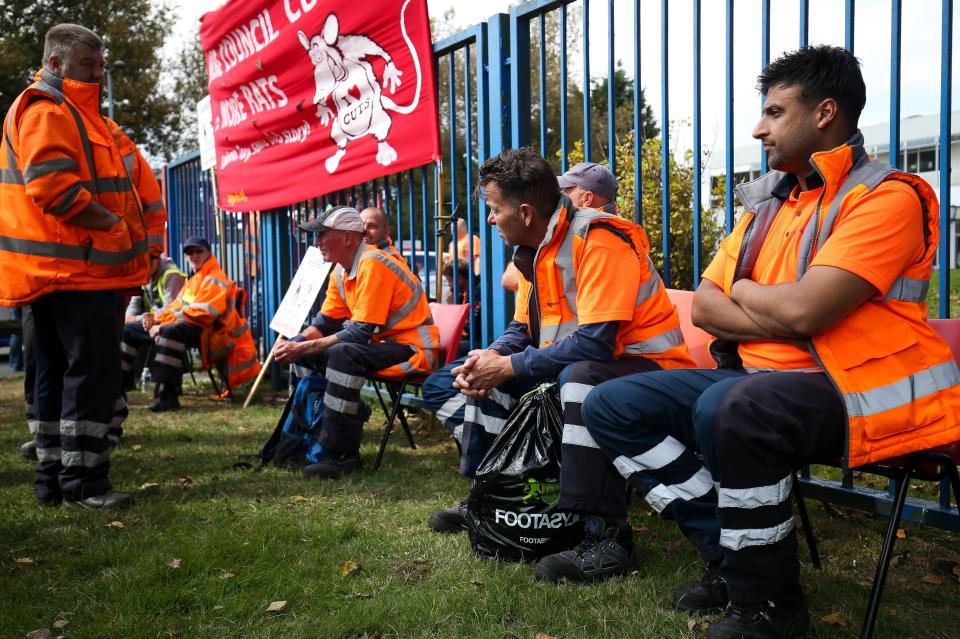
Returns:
<point x="375" y="320"/>
<point x="203" y="315"/>
<point x="818" y="297"/>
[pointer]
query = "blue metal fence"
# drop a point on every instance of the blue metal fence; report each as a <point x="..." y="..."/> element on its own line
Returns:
<point x="505" y="81"/>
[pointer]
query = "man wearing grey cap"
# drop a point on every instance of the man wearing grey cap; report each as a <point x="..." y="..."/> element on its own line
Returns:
<point x="374" y="321"/>
<point x="590" y="185"/>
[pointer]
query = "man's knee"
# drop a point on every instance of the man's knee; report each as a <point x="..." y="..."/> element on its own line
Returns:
<point x="577" y="372"/>
<point x="438" y="388"/>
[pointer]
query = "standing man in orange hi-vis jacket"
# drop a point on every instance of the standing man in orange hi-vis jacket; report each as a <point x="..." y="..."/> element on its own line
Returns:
<point x="818" y="300"/>
<point x="204" y="315"/>
<point x="375" y="320"/>
<point x="79" y="209"/>
<point x="590" y="307"/>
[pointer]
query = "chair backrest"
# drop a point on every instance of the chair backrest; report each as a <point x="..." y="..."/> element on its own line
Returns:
<point x="241" y="301"/>
<point x="697" y="339"/>
<point x="450" y="320"/>
<point x="949" y="330"/>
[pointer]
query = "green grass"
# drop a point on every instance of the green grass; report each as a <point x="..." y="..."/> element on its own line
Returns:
<point x="248" y="538"/>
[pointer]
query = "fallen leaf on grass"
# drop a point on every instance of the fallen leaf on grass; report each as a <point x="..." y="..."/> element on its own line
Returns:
<point x="25" y="561"/>
<point x="184" y="482"/>
<point x="362" y="595"/>
<point x="298" y="498"/>
<point x="60" y="623"/>
<point x="347" y="567"/>
<point x="113" y="524"/>
<point x="225" y="575"/>
<point x="835" y="619"/>
<point x="901" y="533"/>
<point x="39" y="633"/>
<point x="931" y="578"/>
<point x="148" y="485"/>
<point x="892" y="610"/>
<point x="693" y="624"/>
<point x="639" y="528"/>
<point x="479" y="585"/>
<point x="543" y="635"/>
<point x="895" y="560"/>
<point x="175" y="563"/>
<point x="277" y="606"/>
<point x="136" y="447"/>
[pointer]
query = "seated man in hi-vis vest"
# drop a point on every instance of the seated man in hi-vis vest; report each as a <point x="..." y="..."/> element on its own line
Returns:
<point x="375" y="319"/>
<point x="590" y="307"/>
<point x="817" y="299"/>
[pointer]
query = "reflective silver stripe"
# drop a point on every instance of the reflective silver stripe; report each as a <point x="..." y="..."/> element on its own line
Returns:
<point x="451" y="406"/>
<point x="180" y="316"/>
<point x="175" y="362"/>
<point x="697" y="486"/>
<point x="49" y="454"/>
<point x="84" y="458"/>
<point x="458" y="433"/>
<point x="903" y="391"/>
<point x="206" y="307"/>
<point x="429" y="348"/>
<point x="752" y="369"/>
<point x="340" y="405"/>
<point x="657" y="344"/>
<point x="344" y="379"/>
<point x="557" y="332"/>
<point x="153" y="207"/>
<point x="756" y="496"/>
<point x="39" y="169"/>
<point x="101" y="185"/>
<point x="115" y="258"/>
<point x="82" y="427"/>
<point x="44" y="427"/>
<point x="11" y="176"/>
<point x="128" y="163"/>
<point x="574" y="392"/>
<point x="474" y="415"/>
<point x="33" y="425"/>
<point x="416" y="291"/>
<point x="338" y="279"/>
<point x="172" y="344"/>
<point x="649" y="288"/>
<point x="69" y="197"/>
<point x="576" y="435"/>
<point x="94" y="186"/>
<point x="906" y="289"/>
<point x="236" y="368"/>
<point x="215" y="280"/>
<point x="657" y="457"/>
<point x="126" y="348"/>
<point x="737" y="539"/>
<point x="240" y="330"/>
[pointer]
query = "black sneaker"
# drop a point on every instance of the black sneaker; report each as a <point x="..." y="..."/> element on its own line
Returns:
<point x="165" y="403"/>
<point x="599" y="556"/>
<point x="106" y="501"/>
<point x="449" y="520"/>
<point x="787" y="619"/>
<point x="334" y="467"/>
<point x="707" y="595"/>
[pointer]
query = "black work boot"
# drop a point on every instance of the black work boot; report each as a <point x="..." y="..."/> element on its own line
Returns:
<point x="599" y="556"/>
<point x="449" y="520"/>
<point x="166" y="399"/>
<point x="707" y="595"/>
<point x="334" y="467"/>
<point x="787" y="618"/>
<point x="107" y="501"/>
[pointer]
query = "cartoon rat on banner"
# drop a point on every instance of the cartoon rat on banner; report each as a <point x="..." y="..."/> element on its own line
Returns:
<point x="358" y="106"/>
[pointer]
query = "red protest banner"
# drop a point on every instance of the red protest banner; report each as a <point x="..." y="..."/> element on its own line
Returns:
<point x="310" y="97"/>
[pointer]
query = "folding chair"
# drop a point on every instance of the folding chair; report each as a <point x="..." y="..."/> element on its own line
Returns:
<point x="936" y="464"/>
<point x="450" y="320"/>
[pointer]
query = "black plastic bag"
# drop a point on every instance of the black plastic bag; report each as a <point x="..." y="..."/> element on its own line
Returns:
<point x="511" y="511"/>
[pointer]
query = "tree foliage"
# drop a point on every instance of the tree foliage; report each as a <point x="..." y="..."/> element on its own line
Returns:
<point x="133" y="32"/>
<point x="189" y="76"/>
<point x="681" y="245"/>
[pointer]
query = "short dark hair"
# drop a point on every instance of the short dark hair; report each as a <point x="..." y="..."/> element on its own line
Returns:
<point x="821" y="72"/>
<point x="60" y="40"/>
<point x="523" y="176"/>
<point x="462" y="268"/>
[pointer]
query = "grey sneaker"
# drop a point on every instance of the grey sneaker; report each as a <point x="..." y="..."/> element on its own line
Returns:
<point x="598" y="557"/>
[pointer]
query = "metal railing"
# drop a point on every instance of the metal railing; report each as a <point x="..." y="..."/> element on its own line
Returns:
<point x="506" y="82"/>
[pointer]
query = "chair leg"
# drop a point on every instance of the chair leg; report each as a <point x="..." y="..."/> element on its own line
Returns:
<point x="397" y="397"/>
<point x="387" y="427"/>
<point x="805" y="520"/>
<point x="886" y="552"/>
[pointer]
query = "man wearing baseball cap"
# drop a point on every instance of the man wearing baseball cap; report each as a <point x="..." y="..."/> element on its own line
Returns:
<point x="374" y="320"/>
<point x="203" y="315"/>
<point x="590" y="185"/>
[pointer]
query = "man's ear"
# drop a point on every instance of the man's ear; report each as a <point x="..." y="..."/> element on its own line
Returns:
<point x="527" y="214"/>
<point x="54" y="63"/>
<point x="827" y="112"/>
<point x="587" y="200"/>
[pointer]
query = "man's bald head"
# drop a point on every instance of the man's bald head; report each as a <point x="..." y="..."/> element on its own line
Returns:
<point x="376" y="225"/>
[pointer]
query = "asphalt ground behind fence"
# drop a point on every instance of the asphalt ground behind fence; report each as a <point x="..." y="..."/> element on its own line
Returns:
<point x="209" y="546"/>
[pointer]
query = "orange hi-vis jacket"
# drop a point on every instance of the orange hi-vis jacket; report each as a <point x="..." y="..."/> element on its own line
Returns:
<point x="145" y="186"/>
<point x="572" y="288"/>
<point x="208" y="300"/>
<point x="898" y="379"/>
<point x="56" y="155"/>
<point x="381" y="290"/>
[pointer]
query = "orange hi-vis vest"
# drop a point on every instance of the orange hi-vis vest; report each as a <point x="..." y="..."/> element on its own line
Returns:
<point x="145" y="185"/>
<point x="653" y="329"/>
<point x="897" y="377"/>
<point x="208" y="300"/>
<point x="56" y="155"/>
<point x="381" y="290"/>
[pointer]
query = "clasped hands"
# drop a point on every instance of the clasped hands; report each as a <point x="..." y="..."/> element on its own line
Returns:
<point x="483" y="371"/>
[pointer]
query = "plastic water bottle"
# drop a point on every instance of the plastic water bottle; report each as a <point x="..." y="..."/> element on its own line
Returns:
<point x="145" y="380"/>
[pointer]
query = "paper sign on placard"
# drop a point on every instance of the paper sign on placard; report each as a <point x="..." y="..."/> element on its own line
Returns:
<point x="208" y="153"/>
<point x="303" y="290"/>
